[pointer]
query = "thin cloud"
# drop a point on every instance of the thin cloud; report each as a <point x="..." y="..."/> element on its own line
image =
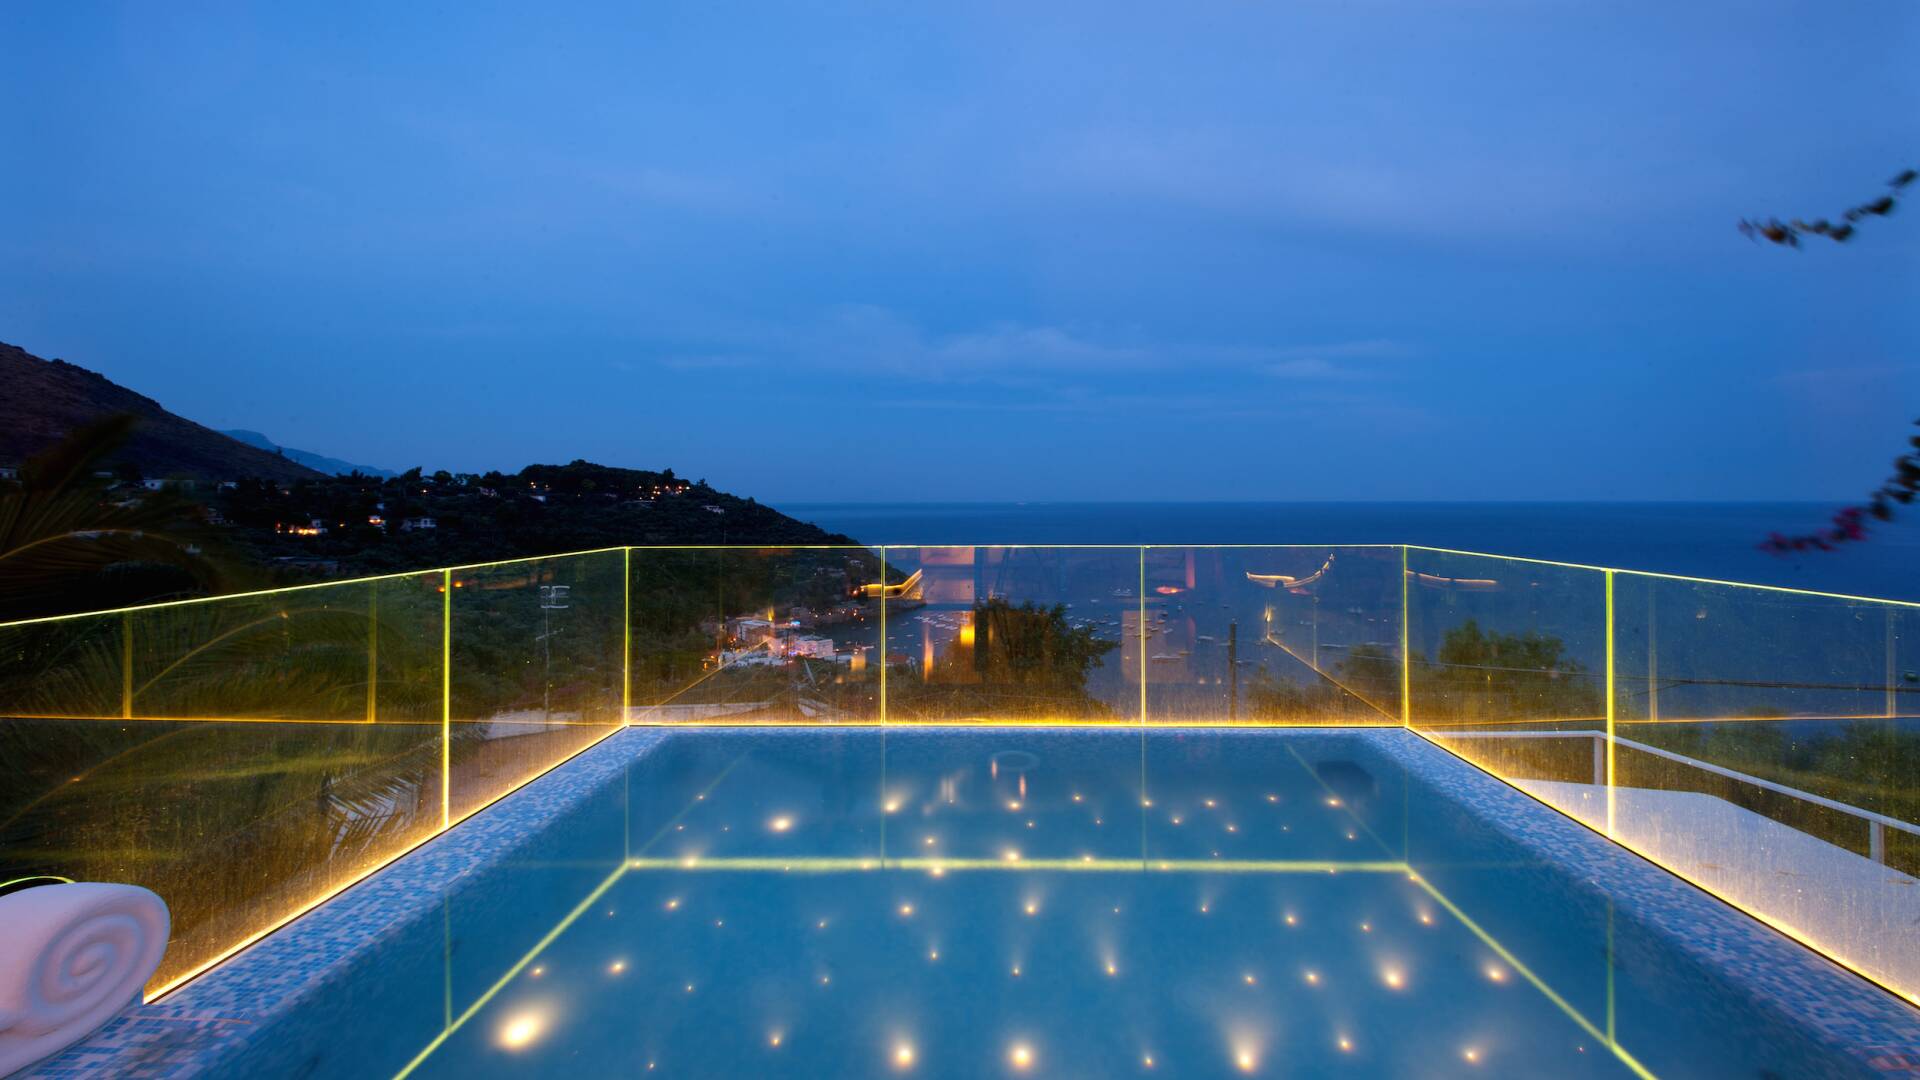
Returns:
<point x="868" y="339"/>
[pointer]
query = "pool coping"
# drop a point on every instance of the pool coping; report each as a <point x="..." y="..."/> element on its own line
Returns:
<point x="216" y="1018"/>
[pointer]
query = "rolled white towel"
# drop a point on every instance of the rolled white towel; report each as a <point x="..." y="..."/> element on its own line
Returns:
<point x="71" y="957"/>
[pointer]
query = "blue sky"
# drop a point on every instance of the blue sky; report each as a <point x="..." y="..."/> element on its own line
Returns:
<point x="1384" y="249"/>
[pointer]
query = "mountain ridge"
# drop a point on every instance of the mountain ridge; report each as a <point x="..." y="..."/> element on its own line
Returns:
<point x="332" y="466"/>
<point x="48" y="399"/>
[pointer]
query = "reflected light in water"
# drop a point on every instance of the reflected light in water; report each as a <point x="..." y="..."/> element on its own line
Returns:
<point x="1393" y="977"/>
<point x="1020" y="1056"/>
<point x="780" y="824"/>
<point x="903" y="1055"/>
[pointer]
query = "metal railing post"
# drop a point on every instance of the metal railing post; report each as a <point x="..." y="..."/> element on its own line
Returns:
<point x="1406" y="658"/>
<point x="1611" y="706"/>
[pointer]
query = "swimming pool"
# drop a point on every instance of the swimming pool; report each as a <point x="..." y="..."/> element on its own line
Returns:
<point x="1030" y="901"/>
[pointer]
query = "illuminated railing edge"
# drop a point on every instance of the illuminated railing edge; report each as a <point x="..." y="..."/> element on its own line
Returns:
<point x="1660" y="575"/>
<point x="629" y="549"/>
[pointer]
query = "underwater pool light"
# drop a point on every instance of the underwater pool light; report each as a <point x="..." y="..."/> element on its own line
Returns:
<point x="521" y="1030"/>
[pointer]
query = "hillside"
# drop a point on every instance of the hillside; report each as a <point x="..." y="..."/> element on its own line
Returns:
<point x="279" y="522"/>
<point x="342" y="526"/>
<point x="47" y="399"/>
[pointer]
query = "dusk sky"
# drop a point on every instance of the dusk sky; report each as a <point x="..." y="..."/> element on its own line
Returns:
<point x="1389" y="249"/>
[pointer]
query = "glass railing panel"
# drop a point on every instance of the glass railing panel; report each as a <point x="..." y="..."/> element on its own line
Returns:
<point x="1507" y="668"/>
<point x="257" y="773"/>
<point x="1013" y="635"/>
<point x="1273" y="635"/>
<point x="296" y="654"/>
<point x="67" y="667"/>
<point x="537" y="671"/>
<point x="1767" y="747"/>
<point x="755" y="635"/>
<point x="236" y="825"/>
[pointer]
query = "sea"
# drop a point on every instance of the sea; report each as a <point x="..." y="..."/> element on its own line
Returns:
<point x="1718" y="540"/>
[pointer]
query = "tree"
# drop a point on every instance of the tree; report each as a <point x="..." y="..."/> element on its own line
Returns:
<point x="1025" y="660"/>
<point x="65" y="546"/>
<point x="1488" y="675"/>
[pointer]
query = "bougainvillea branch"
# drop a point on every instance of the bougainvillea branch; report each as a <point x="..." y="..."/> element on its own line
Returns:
<point x="1850" y="523"/>
<point x="1789" y="233"/>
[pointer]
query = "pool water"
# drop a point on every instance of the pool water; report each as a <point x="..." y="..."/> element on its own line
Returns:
<point x="1041" y="903"/>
